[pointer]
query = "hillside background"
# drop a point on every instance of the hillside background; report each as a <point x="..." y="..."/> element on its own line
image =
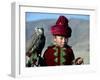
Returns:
<point x="79" y="39"/>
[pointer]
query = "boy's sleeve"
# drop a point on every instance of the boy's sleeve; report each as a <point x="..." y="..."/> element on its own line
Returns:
<point x="71" y="55"/>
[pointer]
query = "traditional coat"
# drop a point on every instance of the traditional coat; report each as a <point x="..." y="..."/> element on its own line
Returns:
<point x="55" y="55"/>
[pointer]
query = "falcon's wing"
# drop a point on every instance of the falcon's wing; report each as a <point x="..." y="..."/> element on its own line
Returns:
<point x="32" y="41"/>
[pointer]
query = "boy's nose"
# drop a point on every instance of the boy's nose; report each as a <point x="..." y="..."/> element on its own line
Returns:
<point x="63" y="40"/>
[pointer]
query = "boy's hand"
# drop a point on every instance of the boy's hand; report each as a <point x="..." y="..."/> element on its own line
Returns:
<point x="79" y="61"/>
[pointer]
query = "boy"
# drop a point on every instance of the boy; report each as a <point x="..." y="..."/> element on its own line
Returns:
<point x="60" y="53"/>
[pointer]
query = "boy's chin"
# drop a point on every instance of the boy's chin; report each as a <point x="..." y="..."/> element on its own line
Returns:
<point x="61" y="45"/>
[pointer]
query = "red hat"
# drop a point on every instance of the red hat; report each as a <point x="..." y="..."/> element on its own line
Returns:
<point x="61" y="28"/>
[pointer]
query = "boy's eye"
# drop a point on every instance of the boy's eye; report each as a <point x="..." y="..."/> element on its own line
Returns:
<point x="61" y="38"/>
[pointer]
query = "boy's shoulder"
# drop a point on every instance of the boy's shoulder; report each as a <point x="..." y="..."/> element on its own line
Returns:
<point x="51" y="46"/>
<point x="67" y="46"/>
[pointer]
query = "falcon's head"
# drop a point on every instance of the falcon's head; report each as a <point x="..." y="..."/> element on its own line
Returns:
<point x="39" y="31"/>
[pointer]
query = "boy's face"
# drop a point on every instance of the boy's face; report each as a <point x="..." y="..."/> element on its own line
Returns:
<point x="60" y="40"/>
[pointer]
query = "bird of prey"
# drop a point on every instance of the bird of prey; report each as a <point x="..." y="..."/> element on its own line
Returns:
<point x="34" y="47"/>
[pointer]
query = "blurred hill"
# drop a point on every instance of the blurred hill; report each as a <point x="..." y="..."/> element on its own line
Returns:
<point x="79" y="39"/>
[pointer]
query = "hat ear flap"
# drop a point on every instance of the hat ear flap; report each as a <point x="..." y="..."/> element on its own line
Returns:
<point x="69" y="32"/>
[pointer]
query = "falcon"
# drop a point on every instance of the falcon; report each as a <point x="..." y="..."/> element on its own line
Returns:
<point x="34" y="48"/>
